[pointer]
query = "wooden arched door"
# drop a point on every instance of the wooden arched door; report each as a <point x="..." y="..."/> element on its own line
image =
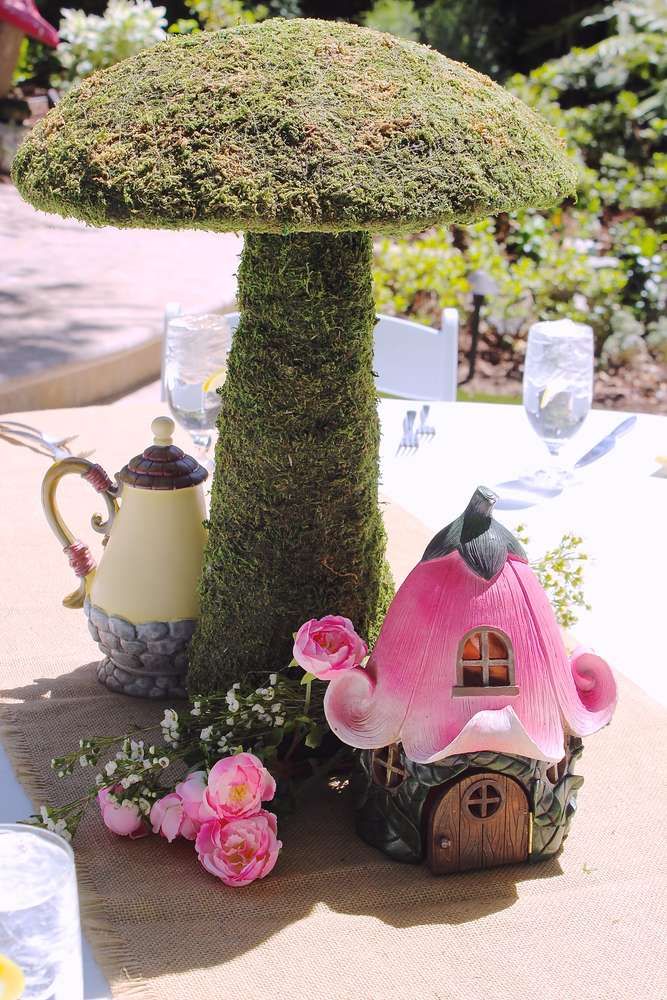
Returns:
<point x="481" y="821"/>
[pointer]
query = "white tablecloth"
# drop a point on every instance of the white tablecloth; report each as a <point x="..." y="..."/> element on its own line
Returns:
<point x="618" y="506"/>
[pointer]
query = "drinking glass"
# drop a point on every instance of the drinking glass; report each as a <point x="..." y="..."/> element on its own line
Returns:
<point x="557" y="388"/>
<point x="39" y="912"/>
<point x="195" y="367"/>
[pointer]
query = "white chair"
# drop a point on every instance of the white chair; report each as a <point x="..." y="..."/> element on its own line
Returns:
<point x="412" y="361"/>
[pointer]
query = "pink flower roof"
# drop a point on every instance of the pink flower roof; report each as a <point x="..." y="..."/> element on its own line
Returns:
<point x="23" y="14"/>
<point x="407" y="691"/>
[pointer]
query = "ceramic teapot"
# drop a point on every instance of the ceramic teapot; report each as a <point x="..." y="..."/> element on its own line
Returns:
<point x="142" y="600"/>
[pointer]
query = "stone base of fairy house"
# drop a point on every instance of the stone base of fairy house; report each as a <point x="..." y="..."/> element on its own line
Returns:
<point x="470" y="811"/>
<point x="149" y="660"/>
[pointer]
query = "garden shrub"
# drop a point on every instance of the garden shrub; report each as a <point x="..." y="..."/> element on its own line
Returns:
<point x="90" y="42"/>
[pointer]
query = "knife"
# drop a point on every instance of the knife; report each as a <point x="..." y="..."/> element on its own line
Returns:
<point x="606" y="444"/>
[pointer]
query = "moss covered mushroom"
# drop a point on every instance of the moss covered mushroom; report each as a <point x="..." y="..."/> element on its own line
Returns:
<point x="308" y="136"/>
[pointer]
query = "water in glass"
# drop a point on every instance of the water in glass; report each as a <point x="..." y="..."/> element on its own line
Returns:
<point x="39" y="912"/>
<point x="195" y="367"/>
<point x="558" y="379"/>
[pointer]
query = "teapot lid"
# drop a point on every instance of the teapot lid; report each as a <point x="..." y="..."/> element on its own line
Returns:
<point x="162" y="466"/>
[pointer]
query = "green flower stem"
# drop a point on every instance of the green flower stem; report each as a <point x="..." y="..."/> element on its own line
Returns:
<point x="295" y="531"/>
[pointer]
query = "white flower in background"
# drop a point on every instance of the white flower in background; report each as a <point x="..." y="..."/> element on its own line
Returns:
<point x="110" y="768"/>
<point x="205" y="734"/>
<point x="273" y="679"/>
<point x="279" y="720"/>
<point x="89" y="42"/>
<point x="196" y="708"/>
<point x="276" y="707"/>
<point x="83" y="760"/>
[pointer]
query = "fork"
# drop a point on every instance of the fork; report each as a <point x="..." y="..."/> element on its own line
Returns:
<point x="426" y="430"/>
<point x="16" y="427"/>
<point x="17" y="433"/>
<point x="409" y="442"/>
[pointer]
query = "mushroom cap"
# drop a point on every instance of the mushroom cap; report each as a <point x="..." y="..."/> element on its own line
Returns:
<point x="291" y="126"/>
<point x="23" y="14"/>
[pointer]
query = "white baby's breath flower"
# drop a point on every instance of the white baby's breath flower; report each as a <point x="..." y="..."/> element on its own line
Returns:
<point x="269" y="694"/>
<point x="146" y="764"/>
<point x="130" y="780"/>
<point x="83" y="760"/>
<point x="257" y="708"/>
<point x="110" y="767"/>
<point x="273" y="679"/>
<point x="144" y="806"/>
<point x="61" y="829"/>
<point x="163" y="762"/>
<point x="276" y="707"/>
<point x="205" y="734"/>
<point x="278" y="720"/>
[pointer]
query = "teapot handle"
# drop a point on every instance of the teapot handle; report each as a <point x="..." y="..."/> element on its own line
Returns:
<point x="80" y="557"/>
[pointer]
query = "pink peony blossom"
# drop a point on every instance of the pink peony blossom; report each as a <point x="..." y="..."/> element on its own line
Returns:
<point x="237" y="786"/>
<point x="328" y="646"/>
<point x="240" y="850"/>
<point x="191" y="792"/>
<point x="123" y="818"/>
<point x="168" y="818"/>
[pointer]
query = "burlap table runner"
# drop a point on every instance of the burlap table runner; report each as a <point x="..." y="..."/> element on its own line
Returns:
<point x="336" y="920"/>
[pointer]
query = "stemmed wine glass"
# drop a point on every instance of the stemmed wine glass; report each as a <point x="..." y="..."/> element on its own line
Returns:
<point x="196" y="353"/>
<point x="557" y="390"/>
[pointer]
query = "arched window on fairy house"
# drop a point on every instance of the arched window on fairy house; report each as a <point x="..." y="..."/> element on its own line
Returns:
<point x="485" y="663"/>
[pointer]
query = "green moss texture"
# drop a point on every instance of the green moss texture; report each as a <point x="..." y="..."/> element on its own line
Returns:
<point x="290" y="126"/>
<point x="295" y="529"/>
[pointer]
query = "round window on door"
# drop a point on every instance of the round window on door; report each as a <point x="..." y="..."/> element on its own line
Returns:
<point x="483" y="799"/>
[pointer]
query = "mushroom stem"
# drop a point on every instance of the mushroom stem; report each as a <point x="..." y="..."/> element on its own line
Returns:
<point x="295" y="530"/>
<point x="10" y="46"/>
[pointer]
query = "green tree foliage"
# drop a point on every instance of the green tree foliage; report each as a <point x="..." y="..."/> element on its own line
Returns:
<point x="398" y="17"/>
<point x="587" y="260"/>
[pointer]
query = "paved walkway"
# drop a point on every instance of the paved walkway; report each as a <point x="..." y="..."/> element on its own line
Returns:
<point x="69" y="293"/>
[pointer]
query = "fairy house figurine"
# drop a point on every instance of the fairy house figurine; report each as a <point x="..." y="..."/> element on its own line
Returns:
<point x="470" y="712"/>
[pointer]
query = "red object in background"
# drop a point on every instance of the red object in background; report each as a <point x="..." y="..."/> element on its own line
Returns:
<point x="23" y="14"/>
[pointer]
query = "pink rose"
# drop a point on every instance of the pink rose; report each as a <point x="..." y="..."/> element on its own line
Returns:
<point x="240" y="850"/>
<point x="327" y="646"/>
<point x="237" y="786"/>
<point x="191" y="792"/>
<point x="168" y="817"/>
<point x="123" y="818"/>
